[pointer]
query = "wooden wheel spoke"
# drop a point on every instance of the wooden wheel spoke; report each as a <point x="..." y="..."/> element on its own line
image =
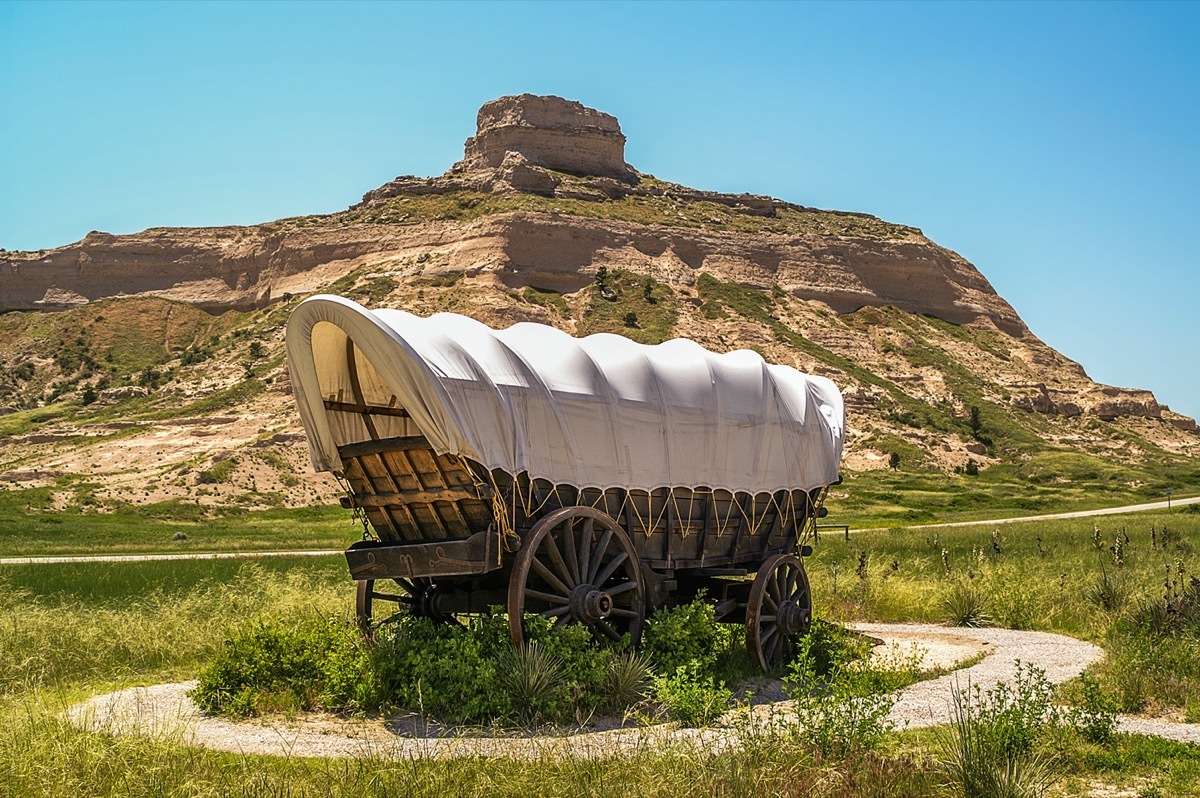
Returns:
<point x="598" y="555"/>
<point x="407" y="585"/>
<point x="773" y="649"/>
<point x="568" y="530"/>
<point x="585" y="549"/>
<point x="608" y="631"/>
<point x="557" y="612"/>
<point x="773" y="593"/>
<point x="390" y="597"/>
<point x="550" y="578"/>
<point x="770" y="631"/>
<point x="613" y="564"/>
<point x="624" y="587"/>
<point x="621" y="612"/>
<point x="557" y="558"/>
<point x="550" y="598"/>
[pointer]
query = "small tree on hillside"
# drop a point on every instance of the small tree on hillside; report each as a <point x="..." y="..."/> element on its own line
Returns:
<point x="894" y="460"/>
<point x="976" y="422"/>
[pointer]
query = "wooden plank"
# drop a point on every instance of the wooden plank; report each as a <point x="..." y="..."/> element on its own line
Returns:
<point x="741" y="526"/>
<point x="356" y="387"/>
<point x="409" y="456"/>
<point x="389" y="499"/>
<point x="401" y="470"/>
<point x="417" y="532"/>
<point x="454" y="508"/>
<point x="774" y="526"/>
<point x="669" y="530"/>
<point x="364" y="409"/>
<point x="383" y="445"/>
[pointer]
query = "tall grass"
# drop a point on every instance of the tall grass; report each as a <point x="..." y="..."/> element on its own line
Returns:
<point x="57" y="638"/>
<point x="1120" y="581"/>
<point x="42" y="756"/>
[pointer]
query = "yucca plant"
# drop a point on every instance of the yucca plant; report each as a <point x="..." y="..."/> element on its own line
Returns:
<point x="627" y="680"/>
<point x="965" y="604"/>
<point x="1108" y="592"/>
<point x="535" y="681"/>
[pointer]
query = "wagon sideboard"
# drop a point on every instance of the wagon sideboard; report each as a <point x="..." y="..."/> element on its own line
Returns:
<point x="436" y="515"/>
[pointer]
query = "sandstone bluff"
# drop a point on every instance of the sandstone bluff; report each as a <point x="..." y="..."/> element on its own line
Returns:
<point x="177" y="332"/>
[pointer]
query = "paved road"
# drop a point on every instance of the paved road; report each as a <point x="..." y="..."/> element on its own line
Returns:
<point x="1132" y="508"/>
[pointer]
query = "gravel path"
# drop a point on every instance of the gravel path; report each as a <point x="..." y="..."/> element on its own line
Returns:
<point x="165" y="710"/>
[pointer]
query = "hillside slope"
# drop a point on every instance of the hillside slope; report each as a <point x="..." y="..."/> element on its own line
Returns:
<point x="149" y="368"/>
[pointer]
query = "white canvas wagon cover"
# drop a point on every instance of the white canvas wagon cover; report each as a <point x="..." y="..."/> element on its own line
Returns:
<point x="601" y="411"/>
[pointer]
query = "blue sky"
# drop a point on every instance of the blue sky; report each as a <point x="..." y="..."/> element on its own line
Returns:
<point x="1054" y="145"/>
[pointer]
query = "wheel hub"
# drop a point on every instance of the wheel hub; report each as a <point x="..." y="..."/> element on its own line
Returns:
<point x="792" y="618"/>
<point x="427" y="603"/>
<point x="589" y="605"/>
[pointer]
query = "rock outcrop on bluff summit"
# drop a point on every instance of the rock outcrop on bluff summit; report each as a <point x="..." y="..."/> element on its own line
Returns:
<point x="548" y="131"/>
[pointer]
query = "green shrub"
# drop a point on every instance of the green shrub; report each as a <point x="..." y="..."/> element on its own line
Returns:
<point x="691" y="696"/>
<point x="1095" y="717"/>
<point x="547" y="298"/>
<point x="220" y="471"/>
<point x="471" y="674"/>
<point x="844" y="708"/>
<point x="829" y="646"/>
<point x="976" y="768"/>
<point x="682" y="635"/>
<point x="992" y="750"/>
<point x="443" y="670"/>
<point x="272" y="666"/>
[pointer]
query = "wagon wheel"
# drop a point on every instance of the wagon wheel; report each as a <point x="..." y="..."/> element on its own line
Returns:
<point x="415" y="596"/>
<point x="779" y="609"/>
<point x="578" y="566"/>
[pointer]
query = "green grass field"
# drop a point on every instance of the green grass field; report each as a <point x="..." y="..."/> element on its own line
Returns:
<point x="69" y="631"/>
<point x="170" y="527"/>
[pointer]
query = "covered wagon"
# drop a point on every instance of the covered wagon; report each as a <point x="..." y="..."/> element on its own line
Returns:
<point x="587" y="480"/>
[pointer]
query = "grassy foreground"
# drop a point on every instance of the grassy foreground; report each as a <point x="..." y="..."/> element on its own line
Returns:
<point x="70" y="632"/>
